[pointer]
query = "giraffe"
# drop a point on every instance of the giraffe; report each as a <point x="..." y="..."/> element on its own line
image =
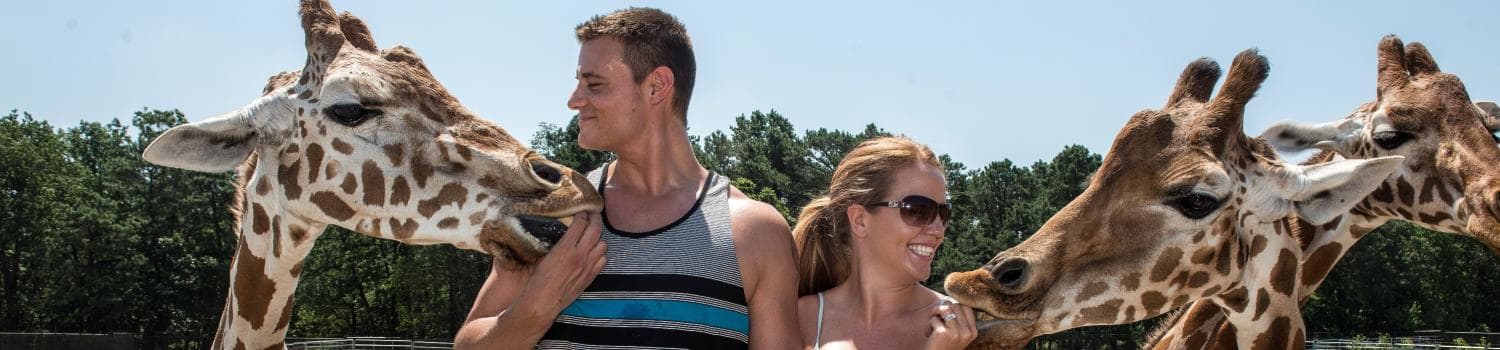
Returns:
<point x="366" y="140"/>
<point x="1184" y="207"/>
<point x="1446" y="185"/>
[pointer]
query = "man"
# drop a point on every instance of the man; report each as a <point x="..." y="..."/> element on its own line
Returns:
<point x="692" y="262"/>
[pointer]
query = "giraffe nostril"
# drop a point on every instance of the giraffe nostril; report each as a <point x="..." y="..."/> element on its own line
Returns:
<point x="546" y="172"/>
<point x="1011" y="273"/>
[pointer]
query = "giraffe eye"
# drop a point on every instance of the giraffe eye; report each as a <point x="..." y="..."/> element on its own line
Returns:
<point x="1195" y="205"/>
<point x="1389" y="140"/>
<point x="350" y="114"/>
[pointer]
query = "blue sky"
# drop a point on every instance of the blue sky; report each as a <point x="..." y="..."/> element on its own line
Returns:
<point x="981" y="81"/>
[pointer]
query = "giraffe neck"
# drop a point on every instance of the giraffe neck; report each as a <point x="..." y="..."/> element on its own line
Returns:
<point x="272" y="245"/>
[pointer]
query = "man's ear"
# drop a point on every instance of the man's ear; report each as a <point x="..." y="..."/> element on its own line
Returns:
<point x="659" y="84"/>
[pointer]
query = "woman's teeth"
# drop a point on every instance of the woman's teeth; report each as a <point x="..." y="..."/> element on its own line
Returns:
<point x="921" y="250"/>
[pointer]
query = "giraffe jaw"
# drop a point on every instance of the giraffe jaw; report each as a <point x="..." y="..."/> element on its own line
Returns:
<point x="545" y="229"/>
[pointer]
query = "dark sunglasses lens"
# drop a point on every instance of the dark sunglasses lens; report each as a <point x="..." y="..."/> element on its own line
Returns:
<point x="919" y="210"/>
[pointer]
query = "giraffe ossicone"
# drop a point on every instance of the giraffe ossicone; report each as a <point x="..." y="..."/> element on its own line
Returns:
<point x="367" y="140"/>
<point x="1446" y="183"/>
<point x="1184" y="207"/>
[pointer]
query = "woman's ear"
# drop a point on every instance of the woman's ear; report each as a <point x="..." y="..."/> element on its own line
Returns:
<point x="857" y="215"/>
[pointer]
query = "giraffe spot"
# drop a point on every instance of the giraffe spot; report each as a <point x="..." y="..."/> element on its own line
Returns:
<point x="1204" y="256"/>
<point x="1091" y="290"/>
<point x="286" y="175"/>
<point x="465" y="153"/>
<point x="1130" y="313"/>
<point x="1197" y="340"/>
<point x="1180" y="300"/>
<point x="1211" y="291"/>
<point x="1165" y="264"/>
<point x="1383" y="193"/>
<point x="1179" y="280"/>
<point x="452" y="193"/>
<point x="1429" y="187"/>
<point x="330" y="170"/>
<point x="1404" y="191"/>
<point x="394" y="152"/>
<point x="1284" y="274"/>
<point x="420" y="171"/>
<point x="1198" y="279"/>
<point x="448" y="223"/>
<point x="1223" y="256"/>
<point x="332" y="206"/>
<point x="403" y="230"/>
<point x="400" y="192"/>
<point x="1105" y="313"/>
<point x="1198" y="237"/>
<point x="341" y="146"/>
<point x="298" y="234"/>
<point x="1235" y="299"/>
<point x="314" y="161"/>
<point x="1262" y="301"/>
<point x="1257" y="244"/>
<point x="1152" y="301"/>
<point x="350" y="184"/>
<point x="1300" y="340"/>
<point x="276" y="236"/>
<point x="297" y="269"/>
<point x="252" y="287"/>
<point x="1131" y="281"/>
<point x="239" y="344"/>
<point x="262" y="187"/>
<point x="304" y="94"/>
<point x="322" y="129"/>
<point x="1320" y="263"/>
<point x="1435" y="218"/>
<point x="1276" y="337"/>
<point x="1334" y="224"/>
<point x="260" y="223"/>
<point x="1404" y="213"/>
<point x="374" y="179"/>
<point x="481" y="197"/>
<point x="286" y="317"/>
<point x="476" y="218"/>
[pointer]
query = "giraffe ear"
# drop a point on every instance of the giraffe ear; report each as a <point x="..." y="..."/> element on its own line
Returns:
<point x="1491" y="117"/>
<point x="1321" y="192"/>
<point x="1291" y="136"/>
<point x="218" y="144"/>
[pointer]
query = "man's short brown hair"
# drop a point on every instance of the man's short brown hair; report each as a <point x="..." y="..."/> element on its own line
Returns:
<point x="652" y="38"/>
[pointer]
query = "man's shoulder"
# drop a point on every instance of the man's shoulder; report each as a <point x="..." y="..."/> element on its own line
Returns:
<point x="756" y="223"/>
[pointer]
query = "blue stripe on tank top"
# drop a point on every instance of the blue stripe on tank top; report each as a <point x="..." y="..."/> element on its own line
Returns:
<point x="661" y="310"/>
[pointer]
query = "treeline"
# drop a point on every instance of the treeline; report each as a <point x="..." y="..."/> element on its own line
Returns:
<point x="93" y="239"/>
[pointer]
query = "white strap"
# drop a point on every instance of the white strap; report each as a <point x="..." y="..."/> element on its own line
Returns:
<point x="818" y="339"/>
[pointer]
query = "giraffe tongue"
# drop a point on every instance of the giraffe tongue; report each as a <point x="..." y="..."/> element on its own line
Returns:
<point x="546" y="229"/>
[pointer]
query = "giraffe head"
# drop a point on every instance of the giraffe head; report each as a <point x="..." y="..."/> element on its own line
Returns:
<point x="1451" y="180"/>
<point x="1181" y="205"/>
<point x="370" y="141"/>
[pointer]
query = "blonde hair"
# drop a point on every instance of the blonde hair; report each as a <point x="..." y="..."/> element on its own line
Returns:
<point x="822" y="234"/>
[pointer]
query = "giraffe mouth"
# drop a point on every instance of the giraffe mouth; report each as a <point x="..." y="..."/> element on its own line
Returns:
<point x="545" y="229"/>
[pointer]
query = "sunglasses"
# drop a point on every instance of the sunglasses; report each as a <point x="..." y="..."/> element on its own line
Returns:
<point x="918" y="210"/>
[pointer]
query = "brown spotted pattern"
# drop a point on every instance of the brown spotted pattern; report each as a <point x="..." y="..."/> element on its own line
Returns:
<point x="387" y="178"/>
<point x="1413" y="96"/>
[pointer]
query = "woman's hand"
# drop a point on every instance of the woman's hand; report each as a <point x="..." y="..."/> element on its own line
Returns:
<point x="952" y="327"/>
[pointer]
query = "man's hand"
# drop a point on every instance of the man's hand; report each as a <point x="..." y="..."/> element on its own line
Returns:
<point x="515" y="308"/>
<point x="569" y="268"/>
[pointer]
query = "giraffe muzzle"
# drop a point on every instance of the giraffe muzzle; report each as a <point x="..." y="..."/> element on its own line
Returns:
<point x="545" y="229"/>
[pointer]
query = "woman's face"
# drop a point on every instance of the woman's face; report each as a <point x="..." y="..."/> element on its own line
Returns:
<point x="891" y="241"/>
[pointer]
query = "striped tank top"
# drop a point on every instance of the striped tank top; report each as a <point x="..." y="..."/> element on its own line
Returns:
<point x="677" y="287"/>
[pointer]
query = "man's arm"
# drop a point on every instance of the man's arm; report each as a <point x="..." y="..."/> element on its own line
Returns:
<point x="763" y="242"/>
<point x="513" y="310"/>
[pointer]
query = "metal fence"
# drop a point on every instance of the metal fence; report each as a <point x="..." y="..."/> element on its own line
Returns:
<point x="368" y="343"/>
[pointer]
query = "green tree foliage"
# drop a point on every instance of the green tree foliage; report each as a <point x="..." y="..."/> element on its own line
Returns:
<point x="92" y="239"/>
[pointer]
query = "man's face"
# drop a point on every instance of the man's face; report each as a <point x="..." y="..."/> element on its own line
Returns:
<point x="608" y="99"/>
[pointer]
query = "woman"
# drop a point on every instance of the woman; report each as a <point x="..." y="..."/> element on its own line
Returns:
<point x="865" y="248"/>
